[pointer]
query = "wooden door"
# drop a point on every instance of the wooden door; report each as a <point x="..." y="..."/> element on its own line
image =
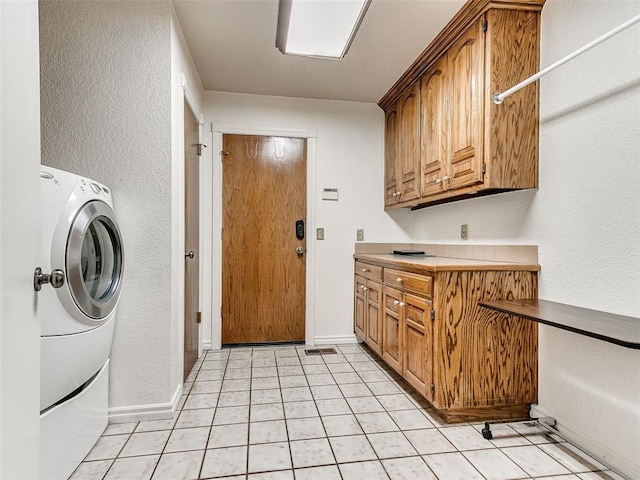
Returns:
<point x="392" y="333"/>
<point x="433" y="125"/>
<point x="409" y="140"/>
<point x="374" y="317"/>
<point x="192" y="239"/>
<point x="418" y="340"/>
<point x="466" y="98"/>
<point x="359" y="325"/>
<point x="391" y="187"/>
<point x="263" y="277"/>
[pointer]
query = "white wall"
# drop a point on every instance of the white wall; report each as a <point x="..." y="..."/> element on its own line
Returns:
<point x="109" y="111"/>
<point x="349" y="150"/>
<point x="584" y="217"/>
<point x="19" y="240"/>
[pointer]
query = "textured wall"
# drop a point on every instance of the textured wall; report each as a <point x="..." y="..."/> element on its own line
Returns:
<point x="106" y="114"/>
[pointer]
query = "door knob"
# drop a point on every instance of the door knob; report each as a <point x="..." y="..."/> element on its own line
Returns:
<point x="300" y="251"/>
<point x="189" y="254"/>
<point x="55" y="278"/>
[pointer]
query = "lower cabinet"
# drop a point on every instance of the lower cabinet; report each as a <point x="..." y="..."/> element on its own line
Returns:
<point x="373" y="317"/>
<point x="469" y="362"/>
<point x="417" y="334"/>
<point x="392" y="329"/>
<point x="367" y="307"/>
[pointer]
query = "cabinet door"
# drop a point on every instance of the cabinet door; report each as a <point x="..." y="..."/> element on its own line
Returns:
<point x="359" y="326"/>
<point x="409" y="141"/>
<point x="465" y="84"/>
<point x="391" y="149"/>
<point x="418" y="344"/>
<point x="391" y="329"/>
<point x="433" y="125"/>
<point x="374" y="317"/>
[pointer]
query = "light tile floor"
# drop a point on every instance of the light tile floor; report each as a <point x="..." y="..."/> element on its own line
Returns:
<point x="276" y="413"/>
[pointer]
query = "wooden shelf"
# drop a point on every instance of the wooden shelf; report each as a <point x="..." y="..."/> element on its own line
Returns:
<point x="618" y="329"/>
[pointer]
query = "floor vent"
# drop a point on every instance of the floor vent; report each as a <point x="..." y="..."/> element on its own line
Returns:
<point x="320" y="351"/>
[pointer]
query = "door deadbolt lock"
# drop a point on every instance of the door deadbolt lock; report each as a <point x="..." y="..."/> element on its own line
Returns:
<point x="189" y="254"/>
<point x="300" y="251"/>
<point x="55" y="278"/>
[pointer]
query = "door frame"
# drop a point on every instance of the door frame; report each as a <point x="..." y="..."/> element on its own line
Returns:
<point x="217" y="131"/>
<point x="188" y="98"/>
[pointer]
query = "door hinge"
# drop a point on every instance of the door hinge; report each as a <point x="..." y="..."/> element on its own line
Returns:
<point x="433" y="389"/>
<point x="433" y="315"/>
<point x="222" y="155"/>
<point x="485" y="25"/>
<point x="484" y="168"/>
<point x="199" y="147"/>
<point x="198" y="317"/>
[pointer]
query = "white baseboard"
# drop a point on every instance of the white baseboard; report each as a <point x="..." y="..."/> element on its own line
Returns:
<point x="626" y="467"/>
<point x="139" y="413"/>
<point x="335" y="339"/>
<point x="206" y="345"/>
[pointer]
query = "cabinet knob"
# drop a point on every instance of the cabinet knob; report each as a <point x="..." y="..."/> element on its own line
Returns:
<point x="396" y="302"/>
<point x="438" y="181"/>
<point x="364" y="289"/>
<point x="401" y="304"/>
<point x="399" y="280"/>
<point x="446" y="178"/>
<point x="365" y="269"/>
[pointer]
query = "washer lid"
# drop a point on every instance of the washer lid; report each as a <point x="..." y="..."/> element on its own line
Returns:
<point x="94" y="260"/>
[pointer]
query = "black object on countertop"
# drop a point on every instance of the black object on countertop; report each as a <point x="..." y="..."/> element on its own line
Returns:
<point x="415" y="253"/>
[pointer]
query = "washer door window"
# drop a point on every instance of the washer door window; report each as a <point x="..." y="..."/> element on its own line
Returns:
<point x="95" y="260"/>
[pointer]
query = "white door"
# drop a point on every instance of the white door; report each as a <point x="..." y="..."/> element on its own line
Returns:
<point x="19" y="239"/>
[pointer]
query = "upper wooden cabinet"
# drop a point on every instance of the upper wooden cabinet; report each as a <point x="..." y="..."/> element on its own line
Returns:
<point x="445" y="139"/>
<point x="402" y="154"/>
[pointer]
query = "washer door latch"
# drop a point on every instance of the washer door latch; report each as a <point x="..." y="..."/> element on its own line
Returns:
<point x="55" y="278"/>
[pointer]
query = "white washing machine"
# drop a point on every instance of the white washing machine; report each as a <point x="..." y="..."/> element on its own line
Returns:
<point x="82" y="248"/>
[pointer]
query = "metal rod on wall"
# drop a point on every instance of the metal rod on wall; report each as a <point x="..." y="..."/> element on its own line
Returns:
<point x="499" y="97"/>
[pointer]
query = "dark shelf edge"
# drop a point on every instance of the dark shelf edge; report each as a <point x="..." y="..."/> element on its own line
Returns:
<point x="588" y="333"/>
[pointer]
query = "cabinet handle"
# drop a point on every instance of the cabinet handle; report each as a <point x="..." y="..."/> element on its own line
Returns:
<point x="396" y="302"/>
<point x="364" y="289"/>
<point x="446" y="178"/>
<point x="365" y="269"/>
<point x="399" y="280"/>
<point x="401" y="304"/>
<point x="438" y="181"/>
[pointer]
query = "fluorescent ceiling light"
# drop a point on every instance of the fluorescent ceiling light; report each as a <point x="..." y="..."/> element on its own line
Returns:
<point x="319" y="28"/>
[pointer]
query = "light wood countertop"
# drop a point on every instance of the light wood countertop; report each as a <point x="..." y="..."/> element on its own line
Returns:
<point x="425" y="264"/>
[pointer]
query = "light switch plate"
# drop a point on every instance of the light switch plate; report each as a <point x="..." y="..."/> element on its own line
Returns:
<point x="464" y="232"/>
<point x="320" y="233"/>
<point x="360" y="235"/>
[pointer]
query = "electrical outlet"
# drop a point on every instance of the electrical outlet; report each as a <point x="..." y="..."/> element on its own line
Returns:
<point x="320" y="233"/>
<point x="464" y="232"/>
<point x="360" y="235"/>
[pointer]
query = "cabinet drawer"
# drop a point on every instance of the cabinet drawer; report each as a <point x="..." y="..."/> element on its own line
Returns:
<point x="372" y="272"/>
<point x="410" y="282"/>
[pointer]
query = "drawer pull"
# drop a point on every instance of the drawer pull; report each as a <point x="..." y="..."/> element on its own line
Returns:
<point x="399" y="280"/>
<point x="364" y="289"/>
<point x="365" y="269"/>
<point x="396" y="302"/>
<point x="401" y="304"/>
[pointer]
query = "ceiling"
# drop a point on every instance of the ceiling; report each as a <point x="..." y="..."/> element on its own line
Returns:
<point x="232" y="43"/>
